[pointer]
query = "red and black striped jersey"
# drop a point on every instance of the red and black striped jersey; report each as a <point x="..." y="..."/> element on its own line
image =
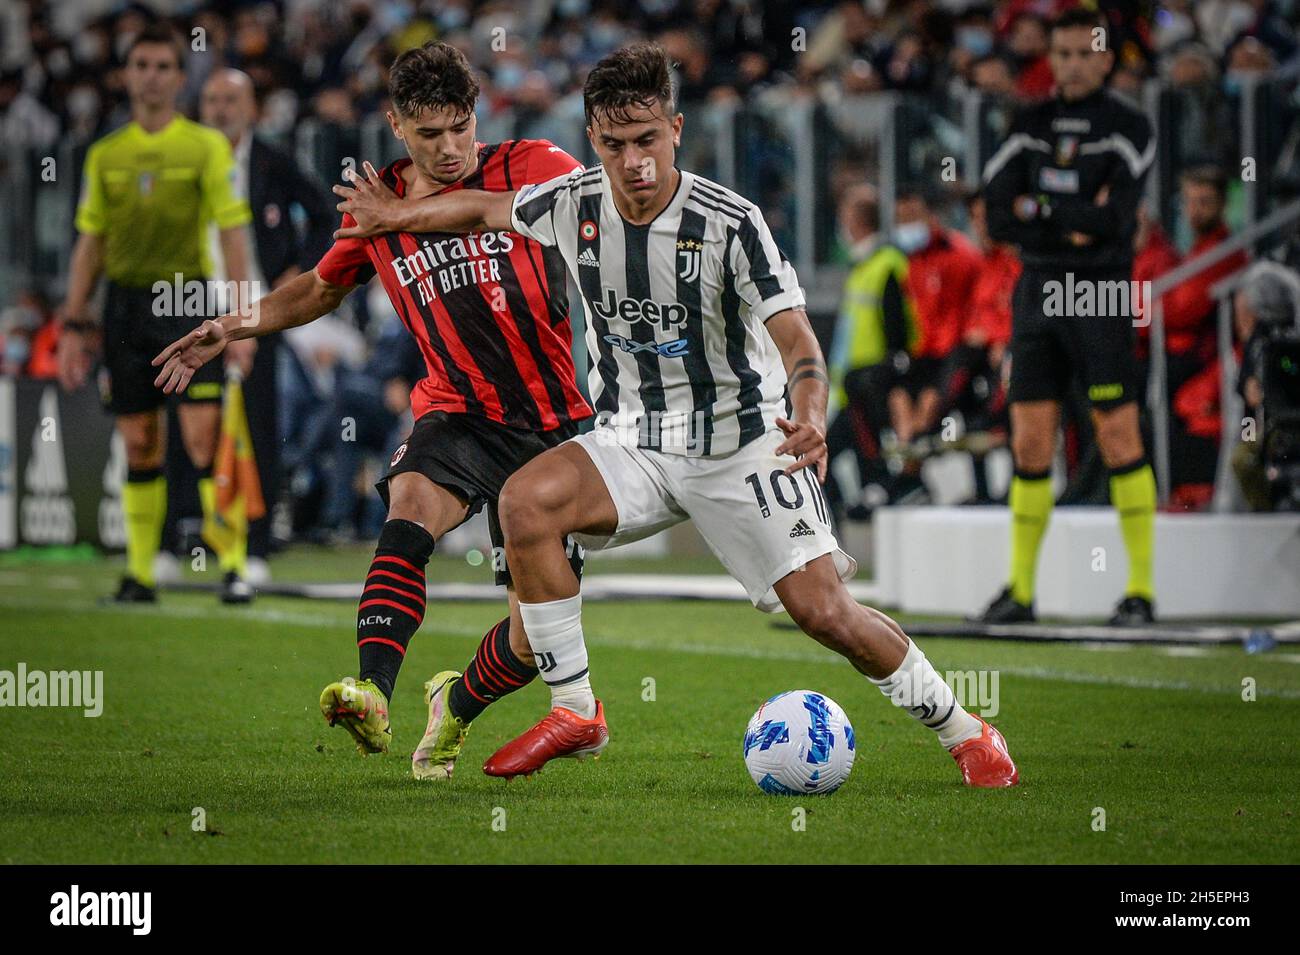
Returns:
<point x="490" y="310"/>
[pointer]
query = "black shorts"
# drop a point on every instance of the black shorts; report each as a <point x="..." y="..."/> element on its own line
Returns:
<point x="473" y="458"/>
<point x="133" y="335"/>
<point x="1052" y="345"/>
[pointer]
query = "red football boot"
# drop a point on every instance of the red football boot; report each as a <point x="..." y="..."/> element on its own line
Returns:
<point x="984" y="760"/>
<point x="560" y="733"/>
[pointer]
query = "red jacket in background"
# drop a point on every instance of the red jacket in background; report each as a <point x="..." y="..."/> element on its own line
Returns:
<point x="1189" y="310"/>
<point x="1197" y="401"/>
<point x="941" y="278"/>
<point x="990" y="302"/>
<point x="1035" y="80"/>
<point x="44" y="362"/>
<point x="1153" y="260"/>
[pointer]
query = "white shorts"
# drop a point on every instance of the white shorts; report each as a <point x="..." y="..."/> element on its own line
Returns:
<point x="760" y="522"/>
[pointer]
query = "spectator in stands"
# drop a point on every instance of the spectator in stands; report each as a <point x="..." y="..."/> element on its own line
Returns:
<point x="293" y="224"/>
<point x="992" y="75"/>
<point x="20" y="326"/>
<point x="373" y="405"/>
<point x="875" y="330"/>
<point x="942" y="268"/>
<point x="1027" y="41"/>
<point x="1153" y="253"/>
<point x="1189" y="319"/>
<point x="973" y="371"/>
<point x="23" y="120"/>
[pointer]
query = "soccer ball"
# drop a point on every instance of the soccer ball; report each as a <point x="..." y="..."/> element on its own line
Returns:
<point x="799" y="742"/>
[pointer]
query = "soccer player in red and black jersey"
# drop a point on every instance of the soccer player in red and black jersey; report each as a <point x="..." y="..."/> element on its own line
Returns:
<point x="490" y="312"/>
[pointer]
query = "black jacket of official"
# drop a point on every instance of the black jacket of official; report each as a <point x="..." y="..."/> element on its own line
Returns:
<point x="1062" y="154"/>
<point x="275" y="185"/>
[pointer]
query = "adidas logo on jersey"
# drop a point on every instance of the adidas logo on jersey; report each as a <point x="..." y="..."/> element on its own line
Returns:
<point x="802" y="529"/>
<point x="588" y="258"/>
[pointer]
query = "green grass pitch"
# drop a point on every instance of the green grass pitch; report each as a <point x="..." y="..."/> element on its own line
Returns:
<point x="214" y="708"/>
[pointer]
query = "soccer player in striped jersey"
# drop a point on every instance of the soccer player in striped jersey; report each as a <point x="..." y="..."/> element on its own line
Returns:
<point x="490" y="313"/>
<point x="697" y="326"/>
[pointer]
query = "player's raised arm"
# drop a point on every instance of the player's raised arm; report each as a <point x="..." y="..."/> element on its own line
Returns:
<point x="377" y="209"/>
<point x="300" y="300"/>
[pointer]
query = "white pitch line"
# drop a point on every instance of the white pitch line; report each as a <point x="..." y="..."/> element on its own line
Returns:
<point x="696" y="649"/>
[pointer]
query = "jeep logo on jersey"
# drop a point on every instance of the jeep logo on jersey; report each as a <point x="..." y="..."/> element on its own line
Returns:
<point x="633" y="310"/>
<point x="673" y="349"/>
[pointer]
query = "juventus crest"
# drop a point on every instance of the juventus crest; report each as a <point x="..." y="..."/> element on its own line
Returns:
<point x="688" y="254"/>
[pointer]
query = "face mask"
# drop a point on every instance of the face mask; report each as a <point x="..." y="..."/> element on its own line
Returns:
<point x="453" y="18"/>
<point x="974" y="40"/>
<point x="88" y="47"/>
<point x="83" y="103"/>
<point x="605" y="36"/>
<point x="17" y="350"/>
<point x="912" y="236"/>
<point x="59" y="63"/>
<point x="509" y="76"/>
<point x="1235" y="80"/>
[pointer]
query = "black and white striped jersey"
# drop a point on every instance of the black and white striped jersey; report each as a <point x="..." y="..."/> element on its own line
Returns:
<point x="675" y="308"/>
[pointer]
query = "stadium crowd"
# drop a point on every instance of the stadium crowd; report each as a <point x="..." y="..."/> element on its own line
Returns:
<point x="924" y="321"/>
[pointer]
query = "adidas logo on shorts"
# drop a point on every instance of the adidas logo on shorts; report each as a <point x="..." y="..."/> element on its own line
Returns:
<point x="802" y="529"/>
<point x="589" y="258"/>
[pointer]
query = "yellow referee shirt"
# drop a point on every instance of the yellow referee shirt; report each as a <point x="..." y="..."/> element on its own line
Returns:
<point x="151" y="195"/>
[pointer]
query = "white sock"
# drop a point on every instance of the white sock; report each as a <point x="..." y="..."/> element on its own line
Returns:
<point x="917" y="688"/>
<point x="554" y="632"/>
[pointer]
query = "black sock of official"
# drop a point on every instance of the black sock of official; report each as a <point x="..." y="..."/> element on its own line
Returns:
<point x="494" y="672"/>
<point x="392" y="602"/>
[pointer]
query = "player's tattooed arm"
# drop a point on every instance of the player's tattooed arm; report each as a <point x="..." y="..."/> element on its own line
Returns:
<point x="808" y="386"/>
<point x="376" y="209"/>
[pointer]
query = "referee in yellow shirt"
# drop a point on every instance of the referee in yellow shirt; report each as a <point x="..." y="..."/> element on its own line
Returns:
<point x="148" y="192"/>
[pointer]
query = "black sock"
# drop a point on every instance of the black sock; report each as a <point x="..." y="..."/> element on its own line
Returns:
<point x="494" y="672"/>
<point x="392" y="602"/>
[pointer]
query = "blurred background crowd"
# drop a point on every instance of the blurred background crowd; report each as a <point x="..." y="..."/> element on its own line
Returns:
<point x="854" y="124"/>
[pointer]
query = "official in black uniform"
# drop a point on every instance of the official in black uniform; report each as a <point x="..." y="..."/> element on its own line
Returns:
<point x="1064" y="188"/>
<point x="293" y="226"/>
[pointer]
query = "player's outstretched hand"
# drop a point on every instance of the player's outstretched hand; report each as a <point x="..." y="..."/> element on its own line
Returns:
<point x="183" y="357"/>
<point x="805" y="441"/>
<point x="368" y="201"/>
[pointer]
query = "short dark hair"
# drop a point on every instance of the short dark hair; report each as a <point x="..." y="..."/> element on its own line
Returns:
<point x="433" y="76"/>
<point x="918" y="191"/>
<point x="1207" y="175"/>
<point x="862" y="201"/>
<point x="1077" y="17"/>
<point x="635" y="76"/>
<point x="159" y="33"/>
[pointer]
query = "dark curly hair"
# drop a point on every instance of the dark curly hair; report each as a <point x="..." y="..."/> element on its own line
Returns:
<point x="432" y="76"/>
<point x="635" y="76"/>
